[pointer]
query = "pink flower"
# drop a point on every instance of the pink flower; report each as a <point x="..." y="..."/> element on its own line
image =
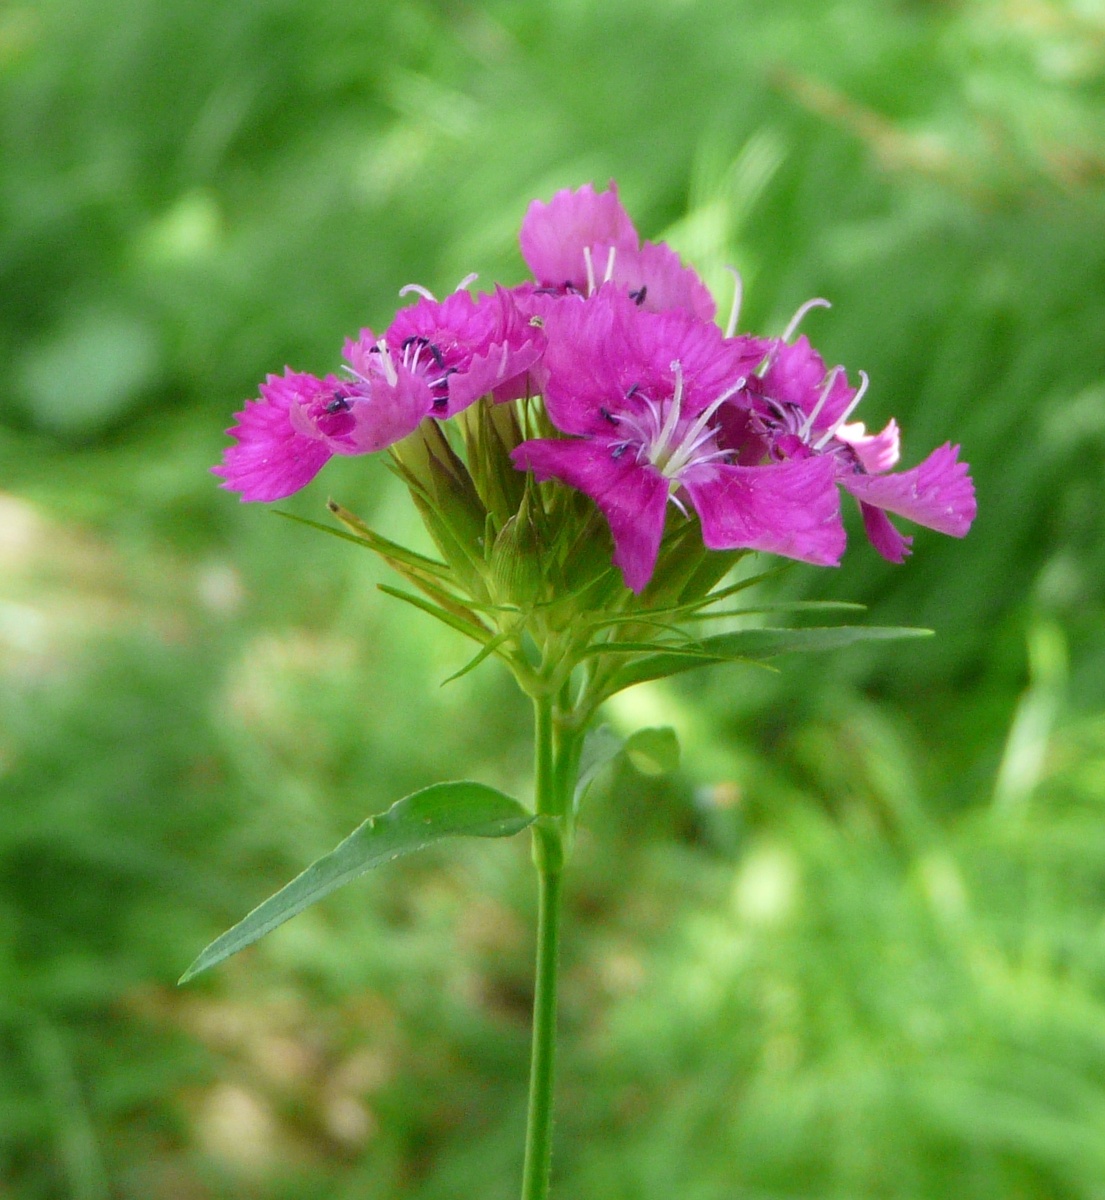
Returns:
<point x="582" y="239"/>
<point x="461" y="348"/>
<point x="798" y="412"/>
<point x="436" y="358"/>
<point x="640" y="395"/>
<point x="272" y="455"/>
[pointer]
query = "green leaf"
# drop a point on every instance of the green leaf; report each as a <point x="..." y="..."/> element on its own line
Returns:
<point x="688" y="646"/>
<point x="600" y="747"/>
<point x="489" y="648"/>
<point x="766" y="643"/>
<point x="384" y="546"/>
<point x="654" y="751"/>
<point x="741" y="585"/>
<point x="752" y="645"/>
<point x="470" y="628"/>
<point x="461" y="809"/>
<point x="365" y="537"/>
<point x="710" y="571"/>
<point x="777" y="606"/>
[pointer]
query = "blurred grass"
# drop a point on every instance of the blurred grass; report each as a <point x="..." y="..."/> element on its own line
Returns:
<point x="854" y="949"/>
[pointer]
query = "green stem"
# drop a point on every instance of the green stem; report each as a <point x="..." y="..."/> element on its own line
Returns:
<point x="535" y="1175"/>
<point x="548" y="856"/>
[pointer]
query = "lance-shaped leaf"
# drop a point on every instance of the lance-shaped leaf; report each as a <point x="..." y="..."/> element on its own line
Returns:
<point x="462" y="809"/>
<point x="470" y="625"/>
<point x="600" y="747"/>
<point x="750" y="645"/>
<point x="390" y="552"/>
<point x="654" y="751"/>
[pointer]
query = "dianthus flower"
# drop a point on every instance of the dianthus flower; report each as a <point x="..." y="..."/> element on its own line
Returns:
<point x="435" y="359"/>
<point x="583" y="239"/>
<point x="649" y="410"/>
<point x="799" y="412"/>
<point x="642" y="397"/>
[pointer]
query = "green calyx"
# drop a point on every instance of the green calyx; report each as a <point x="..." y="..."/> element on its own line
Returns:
<point x="525" y="572"/>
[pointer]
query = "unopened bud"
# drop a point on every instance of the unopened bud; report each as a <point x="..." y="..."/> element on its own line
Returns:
<point x="516" y="576"/>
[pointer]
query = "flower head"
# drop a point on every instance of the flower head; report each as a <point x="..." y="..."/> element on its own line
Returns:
<point x="460" y="348"/>
<point x="653" y="408"/>
<point x="435" y="359"/>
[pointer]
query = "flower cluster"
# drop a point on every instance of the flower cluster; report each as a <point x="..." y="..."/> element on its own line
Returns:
<point x="645" y="404"/>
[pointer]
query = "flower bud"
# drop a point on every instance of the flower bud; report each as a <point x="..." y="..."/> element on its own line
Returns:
<point x="516" y="561"/>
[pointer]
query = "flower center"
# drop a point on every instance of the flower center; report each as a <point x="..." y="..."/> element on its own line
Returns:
<point x="656" y="432"/>
<point x="423" y="357"/>
<point x="790" y="420"/>
<point x="417" y="356"/>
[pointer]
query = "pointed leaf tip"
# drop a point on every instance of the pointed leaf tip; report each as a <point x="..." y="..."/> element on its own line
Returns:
<point x="751" y="646"/>
<point x="460" y="809"/>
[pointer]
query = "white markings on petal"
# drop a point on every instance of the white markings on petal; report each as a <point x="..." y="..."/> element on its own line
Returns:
<point x="698" y="434"/>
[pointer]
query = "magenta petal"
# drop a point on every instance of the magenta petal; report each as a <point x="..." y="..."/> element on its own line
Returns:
<point x="937" y="493"/>
<point x="590" y="359"/>
<point x="881" y="533"/>
<point x="553" y="235"/>
<point x="362" y="354"/>
<point x="503" y="370"/>
<point x="711" y="363"/>
<point x="877" y="452"/>
<point x="795" y="373"/>
<point x="632" y="497"/>
<point x="789" y="508"/>
<point x="656" y="275"/>
<point x="458" y="323"/>
<point x="271" y="458"/>
<point x="386" y="414"/>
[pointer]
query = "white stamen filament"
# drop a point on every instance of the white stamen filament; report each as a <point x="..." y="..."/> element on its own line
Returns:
<point x="590" y="270"/>
<point x="713" y="456"/>
<point x="830" y="382"/>
<point x="417" y="288"/>
<point x="390" y="373"/>
<point x="664" y="437"/>
<point x="679" y="504"/>
<point x="738" y="296"/>
<point x="608" y="274"/>
<point x="698" y="435"/>
<point x="633" y="426"/>
<point x="831" y="431"/>
<point x="467" y="281"/>
<point x="796" y="320"/>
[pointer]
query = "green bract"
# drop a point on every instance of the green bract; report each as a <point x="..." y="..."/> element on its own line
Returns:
<point x="525" y="571"/>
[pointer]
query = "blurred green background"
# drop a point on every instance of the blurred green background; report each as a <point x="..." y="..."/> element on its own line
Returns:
<point x="855" y="948"/>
